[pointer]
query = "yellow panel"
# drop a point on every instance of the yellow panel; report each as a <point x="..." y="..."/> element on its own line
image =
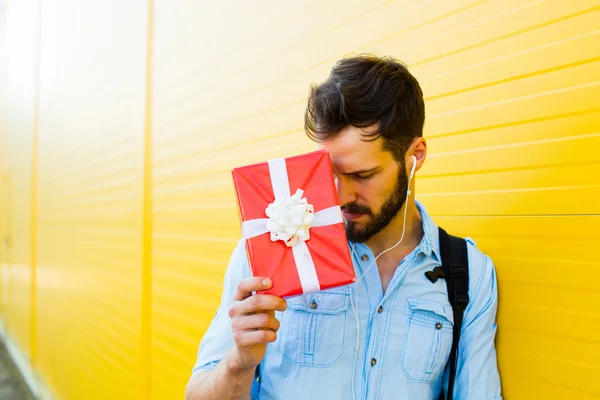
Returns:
<point x="281" y="80"/>
<point x="537" y="191"/>
<point x="3" y="188"/>
<point x="18" y="122"/>
<point x="490" y="31"/>
<point x="561" y="44"/>
<point x="574" y="88"/>
<point x="91" y="160"/>
<point x="548" y="314"/>
<point x="521" y="387"/>
<point x="552" y="127"/>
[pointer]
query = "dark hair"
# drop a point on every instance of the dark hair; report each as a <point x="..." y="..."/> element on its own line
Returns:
<point x="365" y="90"/>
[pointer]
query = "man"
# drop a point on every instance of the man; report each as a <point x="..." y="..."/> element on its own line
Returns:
<point x="389" y="335"/>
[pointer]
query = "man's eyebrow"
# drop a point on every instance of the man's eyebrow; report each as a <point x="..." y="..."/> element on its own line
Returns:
<point x="360" y="171"/>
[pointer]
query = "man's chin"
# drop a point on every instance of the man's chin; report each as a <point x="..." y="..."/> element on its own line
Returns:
<point x="355" y="232"/>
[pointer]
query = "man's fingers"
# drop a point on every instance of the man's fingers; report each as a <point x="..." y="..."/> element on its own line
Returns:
<point x="254" y="322"/>
<point x="251" y="338"/>
<point x="248" y="285"/>
<point x="257" y="303"/>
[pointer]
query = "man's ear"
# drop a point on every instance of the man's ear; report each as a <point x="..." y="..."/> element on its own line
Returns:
<point x="417" y="148"/>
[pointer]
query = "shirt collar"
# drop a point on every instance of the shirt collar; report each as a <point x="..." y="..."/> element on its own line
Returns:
<point x="430" y="244"/>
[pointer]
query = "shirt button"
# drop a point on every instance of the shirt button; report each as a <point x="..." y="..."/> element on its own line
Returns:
<point x="313" y="305"/>
<point x="438" y="325"/>
<point x="380" y="309"/>
<point x="364" y="257"/>
<point x="373" y="362"/>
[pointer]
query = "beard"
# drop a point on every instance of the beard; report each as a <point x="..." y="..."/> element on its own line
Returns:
<point x="390" y="208"/>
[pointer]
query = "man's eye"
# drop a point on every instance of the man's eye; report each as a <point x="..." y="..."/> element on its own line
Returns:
<point x="363" y="177"/>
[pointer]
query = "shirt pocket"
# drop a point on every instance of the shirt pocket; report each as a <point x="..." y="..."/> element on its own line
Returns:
<point x="313" y="328"/>
<point x="428" y="339"/>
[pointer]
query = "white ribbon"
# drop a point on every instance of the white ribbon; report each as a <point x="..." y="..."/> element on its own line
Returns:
<point x="304" y="262"/>
<point x="290" y="219"/>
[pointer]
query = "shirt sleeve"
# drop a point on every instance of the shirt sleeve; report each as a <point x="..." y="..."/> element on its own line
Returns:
<point x="477" y="374"/>
<point x="218" y="339"/>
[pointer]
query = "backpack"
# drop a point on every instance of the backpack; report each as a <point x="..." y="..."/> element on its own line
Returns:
<point x="455" y="271"/>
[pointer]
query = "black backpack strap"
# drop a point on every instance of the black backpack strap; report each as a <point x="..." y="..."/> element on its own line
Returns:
<point x="455" y="264"/>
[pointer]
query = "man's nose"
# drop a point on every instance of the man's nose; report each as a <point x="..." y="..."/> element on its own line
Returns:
<point x="345" y="191"/>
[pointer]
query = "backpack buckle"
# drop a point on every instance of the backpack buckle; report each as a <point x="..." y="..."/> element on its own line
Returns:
<point x="460" y="295"/>
<point x="438" y="272"/>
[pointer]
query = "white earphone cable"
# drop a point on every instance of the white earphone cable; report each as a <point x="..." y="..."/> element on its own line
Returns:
<point x="355" y="310"/>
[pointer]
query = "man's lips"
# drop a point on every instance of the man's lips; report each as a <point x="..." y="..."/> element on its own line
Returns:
<point x="350" y="216"/>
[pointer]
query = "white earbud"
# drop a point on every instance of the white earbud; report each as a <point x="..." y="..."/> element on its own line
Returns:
<point x="412" y="170"/>
<point x="412" y="173"/>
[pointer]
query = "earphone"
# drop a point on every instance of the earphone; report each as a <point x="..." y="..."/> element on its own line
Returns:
<point x="355" y="310"/>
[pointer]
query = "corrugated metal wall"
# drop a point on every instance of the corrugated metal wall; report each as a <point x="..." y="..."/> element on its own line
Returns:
<point x="76" y="107"/>
<point x="90" y="197"/>
<point x="18" y="123"/>
<point x="133" y="209"/>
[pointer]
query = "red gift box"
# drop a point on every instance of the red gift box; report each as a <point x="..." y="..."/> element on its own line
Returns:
<point x="301" y="245"/>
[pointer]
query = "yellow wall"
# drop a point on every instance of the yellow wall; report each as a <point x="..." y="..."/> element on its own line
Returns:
<point x="144" y="107"/>
<point x="18" y="126"/>
<point x="2" y="178"/>
<point x="90" y="197"/>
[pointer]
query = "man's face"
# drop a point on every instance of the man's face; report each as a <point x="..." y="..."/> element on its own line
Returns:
<point x="371" y="185"/>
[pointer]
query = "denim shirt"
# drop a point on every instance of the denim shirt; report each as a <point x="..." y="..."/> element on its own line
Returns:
<point x="404" y="335"/>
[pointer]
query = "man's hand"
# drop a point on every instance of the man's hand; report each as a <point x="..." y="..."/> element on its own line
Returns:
<point x="253" y="322"/>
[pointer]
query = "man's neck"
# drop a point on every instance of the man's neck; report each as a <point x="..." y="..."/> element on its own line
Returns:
<point x="389" y="236"/>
